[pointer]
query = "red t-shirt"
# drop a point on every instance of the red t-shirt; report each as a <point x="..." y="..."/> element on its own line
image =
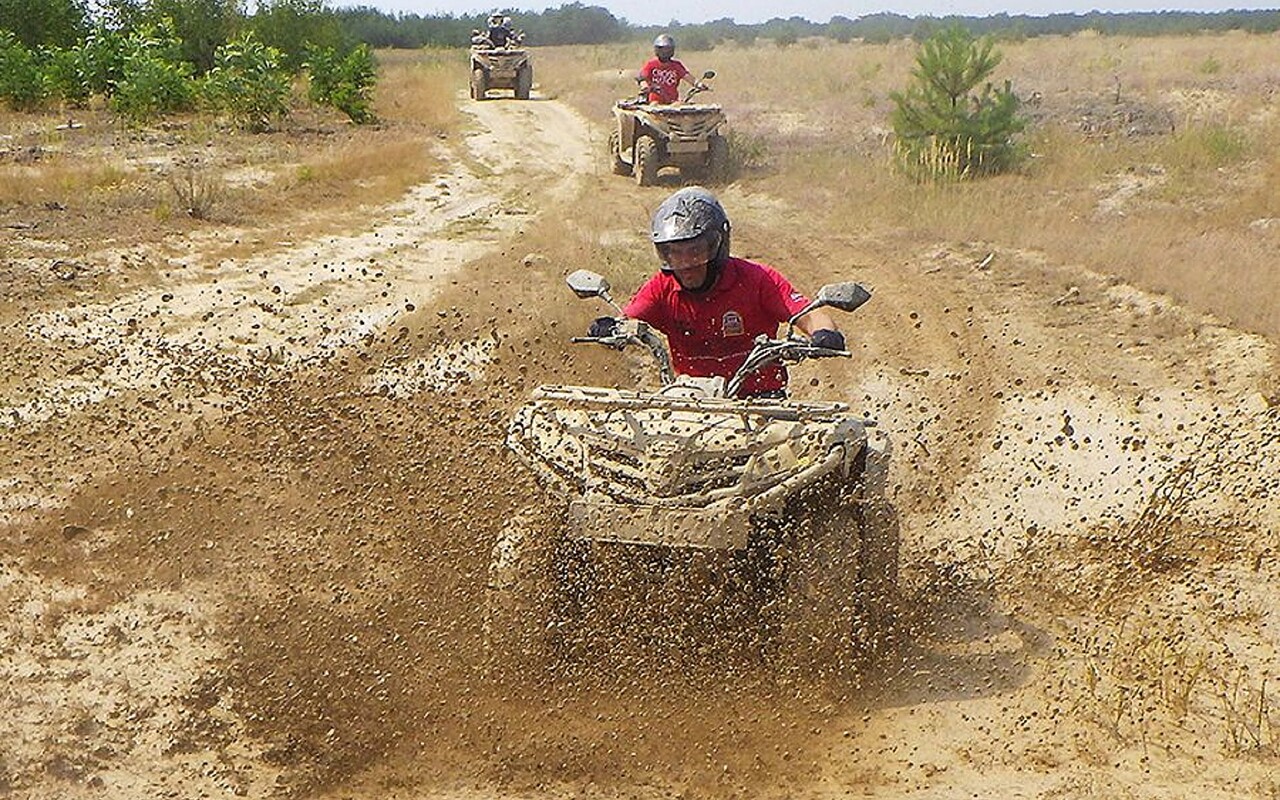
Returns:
<point x="664" y="79"/>
<point x="710" y="333"/>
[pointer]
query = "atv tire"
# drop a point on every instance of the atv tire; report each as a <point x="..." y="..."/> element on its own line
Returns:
<point x="875" y="628"/>
<point x="620" y="167"/>
<point x="817" y="605"/>
<point x="517" y="602"/>
<point x="479" y="84"/>
<point x="534" y="607"/>
<point x="718" y="159"/>
<point x="524" y="82"/>
<point x="834" y="610"/>
<point x="647" y="161"/>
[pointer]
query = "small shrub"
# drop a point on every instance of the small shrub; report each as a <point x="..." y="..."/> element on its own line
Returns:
<point x="1210" y="66"/>
<point x="1209" y="147"/>
<point x="21" y="81"/>
<point x="100" y="61"/>
<point x="746" y="152"/>
<point x="944" y="129"/>
<point x="63" y="78"/>
<point x="248" y="83"/>
<point x="155" y="81"/>
<point x="344" y="82"/>
<point x="196" y="190"/>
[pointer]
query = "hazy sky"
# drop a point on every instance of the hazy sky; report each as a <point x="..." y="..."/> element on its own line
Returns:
<point x="660" y="12"/>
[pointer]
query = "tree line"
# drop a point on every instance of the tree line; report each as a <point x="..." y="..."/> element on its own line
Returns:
<point x="576" y="23"/>
<point x="203" y="25"/>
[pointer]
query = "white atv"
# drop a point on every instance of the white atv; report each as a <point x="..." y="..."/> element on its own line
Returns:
<point x="649" y="136"/>
<point x="792" y="493"/>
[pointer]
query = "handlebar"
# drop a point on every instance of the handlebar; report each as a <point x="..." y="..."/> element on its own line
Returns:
<point x="635" y="332"/>
<point x="763" y="352"/>
<point x="695" y="90"/>
<point x="766" y="351"/>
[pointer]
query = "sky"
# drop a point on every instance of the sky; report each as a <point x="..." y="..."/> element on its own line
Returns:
<point x="661" y="12"/>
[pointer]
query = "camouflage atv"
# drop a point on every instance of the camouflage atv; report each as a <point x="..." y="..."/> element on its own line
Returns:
<point x="498" y="68"/>
<point x="791" y="493"/>
<point x="649" y="136"/>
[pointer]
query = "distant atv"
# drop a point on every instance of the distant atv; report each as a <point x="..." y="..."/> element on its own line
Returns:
<point x="650" y="136"/>
<point x="789" y="494"/>
<point x="499" y="68"/>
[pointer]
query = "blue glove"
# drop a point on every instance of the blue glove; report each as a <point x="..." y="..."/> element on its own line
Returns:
<point x="602" y="327"/>
<point x="825" y="337"/>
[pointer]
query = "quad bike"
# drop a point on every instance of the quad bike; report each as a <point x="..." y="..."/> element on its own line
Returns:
<point x="650" y="136"/>
<point x="792" y="494"/>
<point x="499" y="68"/>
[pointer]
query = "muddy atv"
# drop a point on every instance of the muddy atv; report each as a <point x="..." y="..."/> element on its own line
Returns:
<point x="648" y="137"/>
<point x="499" y="68"/>
<point x="786" y="498"/>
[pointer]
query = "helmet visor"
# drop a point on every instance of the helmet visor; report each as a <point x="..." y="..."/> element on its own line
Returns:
<point x="688" y="253"/>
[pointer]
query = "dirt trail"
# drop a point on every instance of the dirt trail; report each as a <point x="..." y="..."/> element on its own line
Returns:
<point x="247" y="513"/>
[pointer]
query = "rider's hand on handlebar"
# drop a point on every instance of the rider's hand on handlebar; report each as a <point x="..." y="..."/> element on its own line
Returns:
<point x="603" y="327"/>
<point x="827" y="338"/>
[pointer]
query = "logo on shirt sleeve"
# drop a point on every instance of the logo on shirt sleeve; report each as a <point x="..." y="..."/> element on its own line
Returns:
<point x="731" y="324"/>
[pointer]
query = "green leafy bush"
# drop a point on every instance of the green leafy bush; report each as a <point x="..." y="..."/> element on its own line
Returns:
<point x="344" y="82"/>
<point x="21" y="79"/>
<point x="946" y="130"/>
<point x="100" y="60"/>
<point x="154" y="81"/>
<point x="63" y="78"/>
<point x="248" y="83"/>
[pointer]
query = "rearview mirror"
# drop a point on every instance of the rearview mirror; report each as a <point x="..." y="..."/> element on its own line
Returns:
<point x="844" y="296"/>
<point x="586" y="283"/>
<point x="711" y="73"/>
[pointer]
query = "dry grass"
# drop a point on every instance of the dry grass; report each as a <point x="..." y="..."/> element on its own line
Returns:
<point x="420" y="87"/>
<point x="1157" y="160"/>
<point x="317" y="166"/>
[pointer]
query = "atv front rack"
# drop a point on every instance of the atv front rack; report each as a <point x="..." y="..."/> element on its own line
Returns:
<point x="643" y="463"/>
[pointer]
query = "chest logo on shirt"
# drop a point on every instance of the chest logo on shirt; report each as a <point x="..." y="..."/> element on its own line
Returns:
<point x="731" y="324"/>
<point x="665" y="77"/>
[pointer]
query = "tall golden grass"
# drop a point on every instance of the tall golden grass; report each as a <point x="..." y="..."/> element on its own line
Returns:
<point x="1170" y="186"/>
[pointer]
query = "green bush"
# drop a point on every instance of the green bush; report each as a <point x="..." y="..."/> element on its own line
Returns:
<point x="100" y="60"/>
<point x="63" y="78"/>
<point x="154" y="81"/>
<point x="248" y="83"/>
<point x="944" y="129"/>
<point x="21" y="79"/>
<point x="344" y="82"/>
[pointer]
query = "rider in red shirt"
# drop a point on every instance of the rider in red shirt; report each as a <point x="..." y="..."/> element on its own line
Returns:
<point x="660" y="76"/>
<point x="710" y="305"/>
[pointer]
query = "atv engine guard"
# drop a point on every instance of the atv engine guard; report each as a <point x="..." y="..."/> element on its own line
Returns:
<point x="714" y="529"/>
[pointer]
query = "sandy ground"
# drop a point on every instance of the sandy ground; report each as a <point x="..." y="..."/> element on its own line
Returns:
<point x="246" y="508"/>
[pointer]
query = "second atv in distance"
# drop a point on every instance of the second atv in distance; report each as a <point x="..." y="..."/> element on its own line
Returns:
<point x="650" y="136"/>
<point x="499" y="67"/>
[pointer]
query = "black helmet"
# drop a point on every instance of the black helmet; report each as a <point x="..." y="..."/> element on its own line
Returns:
<point x="664" y="47"/>
<point x="692" y="213"/>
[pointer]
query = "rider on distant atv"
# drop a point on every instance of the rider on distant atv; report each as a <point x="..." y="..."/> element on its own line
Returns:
<point x="710" y="305"/>
<point x="500" y="33"/>
<point x="661" y="75"/>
